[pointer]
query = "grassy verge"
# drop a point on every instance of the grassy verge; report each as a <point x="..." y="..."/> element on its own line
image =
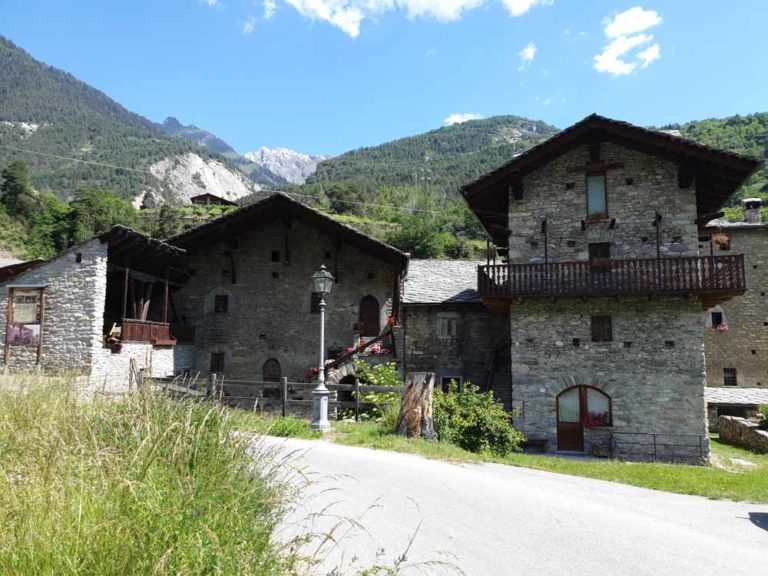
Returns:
<point x="145" y="485"/>
<point x="727" y="478"/>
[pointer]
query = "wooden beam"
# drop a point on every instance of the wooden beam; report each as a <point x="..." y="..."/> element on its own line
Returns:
<point x="8" y="322"/>
<point x="42" y="327"/>
<point x="125" y="289"/>
<point x="165" y="296"/>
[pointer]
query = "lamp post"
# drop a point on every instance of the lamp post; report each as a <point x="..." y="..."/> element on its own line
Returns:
<point x="322" y="281"/>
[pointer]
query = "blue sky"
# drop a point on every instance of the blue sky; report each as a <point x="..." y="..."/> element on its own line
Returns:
<point x="326" y="76"/>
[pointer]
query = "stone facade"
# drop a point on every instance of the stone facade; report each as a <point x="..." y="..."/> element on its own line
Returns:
<point x="75" y="292"/>
<point x="652" y="370"/>
<point x="267" y="282"/>
<point x="745" y="346"/>
<point x="743" y="433"/>
<point x="478" y="350"/>
<point x="645" y="185"/>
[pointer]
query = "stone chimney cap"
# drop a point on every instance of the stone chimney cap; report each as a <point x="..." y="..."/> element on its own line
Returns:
<point x="751" y="200"/>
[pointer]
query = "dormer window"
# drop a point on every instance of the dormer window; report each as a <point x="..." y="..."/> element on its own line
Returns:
<point x="597" y="201"/>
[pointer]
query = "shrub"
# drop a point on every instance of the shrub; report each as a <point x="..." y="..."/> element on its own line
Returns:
<point x="474" y="421"/>
<point x="377" y="375"/>
<point x="763" y="410"/>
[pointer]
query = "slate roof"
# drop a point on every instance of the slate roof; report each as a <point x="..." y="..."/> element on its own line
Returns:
<point x="740" y="396"/>
<point x="442" y="282"/>
<point x="9" y="262"/>
<point x="723" y="223"/>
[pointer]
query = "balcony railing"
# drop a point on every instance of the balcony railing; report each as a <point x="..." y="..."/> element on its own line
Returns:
<point x="146" y="331"/>
<point x="674" y="275"/>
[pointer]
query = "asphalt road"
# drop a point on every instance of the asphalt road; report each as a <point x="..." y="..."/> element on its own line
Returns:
<point x="492" y="520"/>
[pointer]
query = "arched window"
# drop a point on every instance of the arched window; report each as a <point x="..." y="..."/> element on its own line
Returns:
<point x="271" y="371"/>
<point x="369" y="316"/>
<point x="579" y="407"/>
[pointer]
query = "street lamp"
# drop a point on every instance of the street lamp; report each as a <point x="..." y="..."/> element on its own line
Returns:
<point x="322" y="281"/>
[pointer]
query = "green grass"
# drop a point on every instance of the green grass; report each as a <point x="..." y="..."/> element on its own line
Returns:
<point x="289" y="427"/>
<point x="144" y="485"/>
<point x="722" y="480"/>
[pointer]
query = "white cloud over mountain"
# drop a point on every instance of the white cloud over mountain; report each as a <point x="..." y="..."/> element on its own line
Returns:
<point x="347" y="15"/>
<point x="626" y="34"/>
<point x="460" y="118"/>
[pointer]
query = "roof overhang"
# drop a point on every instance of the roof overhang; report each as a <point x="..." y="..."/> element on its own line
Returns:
<point x="128" y="248"/>
<point x="278" y="207"/>
<point x="717" y="173"/>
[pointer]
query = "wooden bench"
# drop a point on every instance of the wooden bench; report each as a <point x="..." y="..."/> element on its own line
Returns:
<point x="540" y="443"/>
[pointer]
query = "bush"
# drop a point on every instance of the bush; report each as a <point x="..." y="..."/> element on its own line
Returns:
<point x="474" y="421"/>
<point x="763" y="410"/>
<point x="382" y="403"/>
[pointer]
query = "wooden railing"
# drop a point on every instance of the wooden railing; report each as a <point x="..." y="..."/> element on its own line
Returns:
<point x="674" y="275"/>
<point x="145" y="331"/>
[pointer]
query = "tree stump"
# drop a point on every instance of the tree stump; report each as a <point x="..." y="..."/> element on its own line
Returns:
<point x="415" y="418"/>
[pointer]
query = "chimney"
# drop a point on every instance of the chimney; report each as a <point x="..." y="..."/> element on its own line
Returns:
<point x="751" y="208"/>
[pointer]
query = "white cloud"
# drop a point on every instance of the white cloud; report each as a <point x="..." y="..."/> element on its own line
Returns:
<point x="210" y="2"/>
<point x="270" y="7"/>
<point x="520" y="7"/>
<point x="349" y="14"/>
<point x="249" y="25"/>
<point x="527" y="55"/>
<point x="460" y="118"/>
<point x="621" y="56"/>
<point x="631" y="21"/>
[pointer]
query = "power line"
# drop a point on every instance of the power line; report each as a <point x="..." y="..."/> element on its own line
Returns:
<point x="76" y="160"/>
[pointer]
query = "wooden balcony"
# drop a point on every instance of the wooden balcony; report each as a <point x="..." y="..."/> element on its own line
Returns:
<point x="157" y="333"/>
<point x="713" y="279"/>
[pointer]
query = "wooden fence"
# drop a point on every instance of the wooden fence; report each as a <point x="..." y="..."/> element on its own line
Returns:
<point x="259" y="394"/>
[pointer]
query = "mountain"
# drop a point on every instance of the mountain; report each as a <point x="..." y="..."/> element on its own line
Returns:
<point x="173" y="127"/>
<point x="74" y="137"/>
<point x="441" y="159"/>
<point x="294" y="167"/>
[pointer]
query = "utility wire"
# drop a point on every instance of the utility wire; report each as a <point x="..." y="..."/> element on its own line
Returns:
<point x="76" y="159"/>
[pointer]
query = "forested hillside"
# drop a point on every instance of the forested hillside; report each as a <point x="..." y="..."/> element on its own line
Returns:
<point x="49" y="111"/>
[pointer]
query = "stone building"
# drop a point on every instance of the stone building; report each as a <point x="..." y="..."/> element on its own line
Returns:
<point x="736" y="335"/>
<point x="248" y="295"/>
<point x="446" y="329"/>
<point x="59" y="313"/>
<point x="603" y="283"/>
<point x="231" y="296"/>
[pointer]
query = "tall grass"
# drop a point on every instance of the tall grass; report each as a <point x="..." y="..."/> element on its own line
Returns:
<point x="145" y="485"/>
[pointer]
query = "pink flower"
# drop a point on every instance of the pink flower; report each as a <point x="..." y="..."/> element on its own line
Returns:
<point x="722" y="328"/>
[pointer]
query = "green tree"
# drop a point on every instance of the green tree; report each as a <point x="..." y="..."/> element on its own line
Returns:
<point x="420" y="235"/>
<point x="18" y="196"/>
<point x="94" y="211"/>
<point x="343" y="197"/>
<point x="169" y="221"/>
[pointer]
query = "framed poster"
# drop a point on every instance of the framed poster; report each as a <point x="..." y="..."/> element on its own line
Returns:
<point x="24" y="321"/>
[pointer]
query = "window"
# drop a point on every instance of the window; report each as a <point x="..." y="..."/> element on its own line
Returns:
<point x="369" y="318"/>
<point x="729" y="377"/>
<point x="217" y="362"/>
<point x="221" y="304"/>
<point x="271" y="371"/>
<point x="717" y="319"/>
<point x="599" y="256"/>
<point x="447" y="326"/>
<point x="314" y="303"/>
<point x="602" y="329"/>
<point x="597" y="203"/>
<point x="275" y="255"/>
<point x="445" y="382"/>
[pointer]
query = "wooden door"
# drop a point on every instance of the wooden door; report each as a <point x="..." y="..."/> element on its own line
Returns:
<point x="570" y="430"/>
<point x="369" y="316"/>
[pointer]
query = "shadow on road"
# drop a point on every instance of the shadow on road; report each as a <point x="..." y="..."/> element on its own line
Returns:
<point x="759" y="519"/>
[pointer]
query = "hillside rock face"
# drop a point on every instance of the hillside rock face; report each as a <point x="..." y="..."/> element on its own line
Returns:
<point x="188" y="175"/>
<point x="173" y="127"/>
<point x="293" y="166"/>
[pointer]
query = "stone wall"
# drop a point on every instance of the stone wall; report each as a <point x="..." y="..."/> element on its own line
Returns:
<point x="74" y="310"/>
<point x="653" y="371"/>
<point x="745" y="345"/>
<point x="269" y="313"/>
<point x="111" y="370"/>
<point x="743" y="433"/>
<point x="468" y="356"/>
<point x="653" y="188"/>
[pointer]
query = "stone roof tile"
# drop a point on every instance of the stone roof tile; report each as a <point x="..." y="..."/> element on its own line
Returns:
<point x="741" y="396"/>
<point x="442" y="282"/>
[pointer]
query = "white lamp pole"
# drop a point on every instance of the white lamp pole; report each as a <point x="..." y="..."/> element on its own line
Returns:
<point x="323" y="282"/>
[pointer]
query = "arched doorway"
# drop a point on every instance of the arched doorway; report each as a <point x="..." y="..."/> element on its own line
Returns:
<point x="575" y="407"/>
<point x="271" y="372"/>
<point x="369" y="316"/>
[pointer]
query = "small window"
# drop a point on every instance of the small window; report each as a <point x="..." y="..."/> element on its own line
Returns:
<point x="79" y="257"/>
<point x="669" y="344"/>
<point x="602" y="329"/>
<point x="275" y="255"/>
<point x="445" y="382"/>
<point x="729" y="377"/>
<point x="717" y="319"/>
<point x="217" y="362"/>
<point x="570" y="185"/>
<point x="597" y="204"/>
<point x="447" y="327"/>
<point x="629" y="181"/>
<point x="314" y="303"/>
<point x="576" y="342"/>
<point x="221" y="304"/>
